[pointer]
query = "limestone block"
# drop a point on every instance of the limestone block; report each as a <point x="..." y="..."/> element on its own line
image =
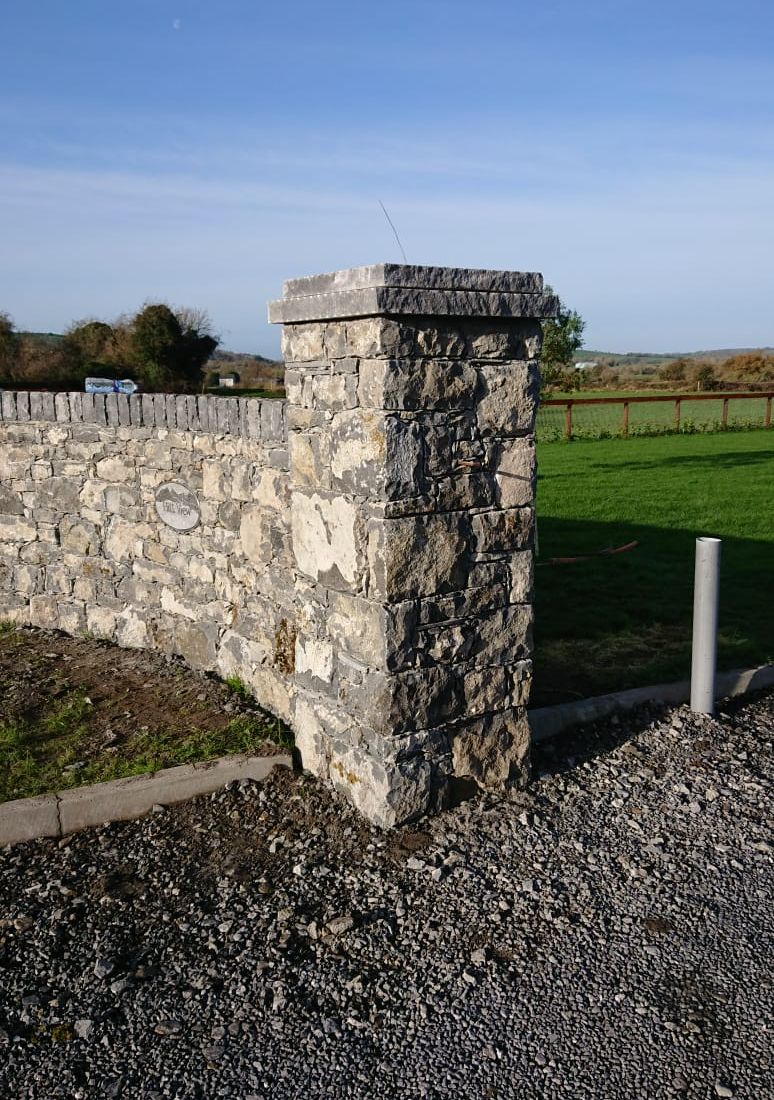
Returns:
<point x="72" y="617"/>
<point x="501" y="636"/>
<point x="515" y="464"/>
<point x="79" y="536"/>
<point x="121" y="500"/>
<point x="123" y="540"/>
<point x="272" y="689"/>
<point x="393" y="703"/>
<point x="303" y="343"/>
<point x="132" y="630"/>
<point x="197" y="644"/>
<point x="493" y="750"/>
<point x="334" y="392"/>
<point x="417" y="384"/>
<point x="15" y="528"/>
<point x="472" y="602"/>
<point x="376" y="636"/>
<point x="239" y="654"/>
<point x="271" y="489"/>
<point x="486" y="690"/>
<point x="510" y="396"/>
<point x="387" y="796"/>
<point x="27" y="580"/>
<point x="314" y="662"/>
<point x="376" y="455"/>
<point x="502" y="531"/>
<point x="11" y="503"/>
<point x="310" y="459"/>
<point x="58" y="579"/>
<point x="44" y="612"/>
<point x="326" y="539"/>
<point x="417" y="555"/>
<point x="255" y="534"/>
<point x="58" y="494"/>
<point x="115" y="469"/>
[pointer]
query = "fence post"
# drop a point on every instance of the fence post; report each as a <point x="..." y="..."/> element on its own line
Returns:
<point x="767" y="421"/>
<point x="677" y="414"/>
<point x="568" y="421"/>
<point x="705" y="624"/>
<point x="626" y="418"/>
<point x="725" y="412"/>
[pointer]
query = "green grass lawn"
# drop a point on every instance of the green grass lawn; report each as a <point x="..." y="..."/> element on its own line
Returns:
<point x="604" y="421"/>
<point x="623" y="621"/>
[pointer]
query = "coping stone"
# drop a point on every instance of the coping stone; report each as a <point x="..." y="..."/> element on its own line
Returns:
<point x="416" y="277"/>
<point x="404" y="289"/>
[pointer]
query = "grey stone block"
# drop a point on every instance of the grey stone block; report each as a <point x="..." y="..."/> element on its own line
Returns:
<point x="135" y="409"/>
<point x="111" y="409"/>
<point x="22" y="406"/>
<point x="253" y="418"/>
<point x="194" y="423"/>
<point x="62" y="408"/>
<point x="160" y="410"/>
<point x="76" y="407"/>
<point x="148" y="410"/>
<point x="124" y="415"/>
<point x="273" y="421"/>
<point x="417" y="277"/>
<point x="181" y="412"/>
<point x="49" y="408"/>
<point x="36" y="406"/>
<point x="170" y="402"/>
<point x="375" y="301"/>
<point x="8" y="398"/>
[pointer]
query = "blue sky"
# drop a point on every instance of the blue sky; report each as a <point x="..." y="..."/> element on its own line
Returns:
<point x="200" y="153"/>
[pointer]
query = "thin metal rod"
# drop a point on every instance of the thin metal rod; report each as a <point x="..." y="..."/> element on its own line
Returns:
<point x="706" y="589"/>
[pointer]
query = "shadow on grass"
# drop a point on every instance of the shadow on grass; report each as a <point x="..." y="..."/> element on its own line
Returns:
<point x="625" y="620"/>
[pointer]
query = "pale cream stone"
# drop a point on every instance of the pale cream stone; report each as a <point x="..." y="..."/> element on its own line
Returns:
<point x="324" y="538"/>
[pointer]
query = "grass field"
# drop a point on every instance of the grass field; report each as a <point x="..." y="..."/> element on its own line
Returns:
<point x="651" y="418"/>
<point x="623" y="621"/>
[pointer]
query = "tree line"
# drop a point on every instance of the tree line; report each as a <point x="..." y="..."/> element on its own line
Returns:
<point x="158" y="347"/>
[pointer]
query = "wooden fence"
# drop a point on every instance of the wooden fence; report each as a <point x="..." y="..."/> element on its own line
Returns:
<point x="677" y="400"/>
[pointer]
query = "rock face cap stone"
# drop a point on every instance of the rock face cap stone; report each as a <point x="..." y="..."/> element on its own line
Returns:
<point x="401" y="289"/>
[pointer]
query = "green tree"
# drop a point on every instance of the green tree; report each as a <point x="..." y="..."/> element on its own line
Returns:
<point x="9" y="348"/>
<point x="562" y="337"/>
<point x="168" y="353"/>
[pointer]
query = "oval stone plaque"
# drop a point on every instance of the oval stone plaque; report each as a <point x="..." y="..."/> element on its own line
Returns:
<point x="177" y="506"/>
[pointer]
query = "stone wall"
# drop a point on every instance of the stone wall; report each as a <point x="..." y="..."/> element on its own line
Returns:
<point x="363" y="558"/>
<point x="82" y="547"/>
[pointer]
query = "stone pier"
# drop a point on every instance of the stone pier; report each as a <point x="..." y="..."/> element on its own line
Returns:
<point x="411" y="401"/>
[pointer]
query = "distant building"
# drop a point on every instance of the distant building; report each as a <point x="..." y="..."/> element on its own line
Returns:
<point x="586" y="366"/>
<point x="230" y="379"/>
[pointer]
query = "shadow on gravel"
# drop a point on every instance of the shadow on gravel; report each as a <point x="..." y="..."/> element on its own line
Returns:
<point x="585" y="743"/>
<point x="576" y="746"/>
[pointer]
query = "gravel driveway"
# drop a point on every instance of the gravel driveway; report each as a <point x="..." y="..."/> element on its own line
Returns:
<point x="606" y="934"/>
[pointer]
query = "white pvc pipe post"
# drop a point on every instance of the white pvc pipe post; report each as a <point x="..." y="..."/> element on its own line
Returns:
<point x="706" y="587"/>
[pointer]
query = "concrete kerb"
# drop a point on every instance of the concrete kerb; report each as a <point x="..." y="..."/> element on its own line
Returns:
<point x="57" y="815"/>
<point x="548" y="722"/>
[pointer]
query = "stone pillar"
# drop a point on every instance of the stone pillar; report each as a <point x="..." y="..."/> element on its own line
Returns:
<point x="412" y="394"/>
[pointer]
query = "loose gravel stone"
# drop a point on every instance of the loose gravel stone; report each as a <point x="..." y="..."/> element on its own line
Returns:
<point x="592" y="937"/>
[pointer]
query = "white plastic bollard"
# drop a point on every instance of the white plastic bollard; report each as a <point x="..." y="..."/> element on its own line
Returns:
<point x="705" y="625"/>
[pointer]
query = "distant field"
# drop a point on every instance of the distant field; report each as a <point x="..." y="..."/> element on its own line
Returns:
<point x="604" y="421"/>
<point x="625" y="620"/>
